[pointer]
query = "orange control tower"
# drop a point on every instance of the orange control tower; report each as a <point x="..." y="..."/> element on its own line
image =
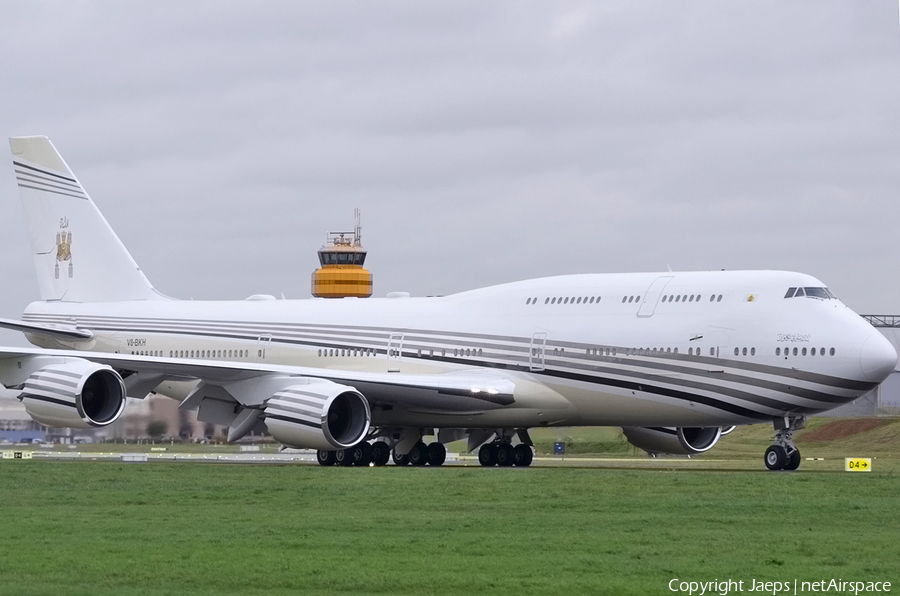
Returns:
<point x="341" y="273"/>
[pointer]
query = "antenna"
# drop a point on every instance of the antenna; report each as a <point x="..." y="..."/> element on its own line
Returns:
<point x="357" y="230"/>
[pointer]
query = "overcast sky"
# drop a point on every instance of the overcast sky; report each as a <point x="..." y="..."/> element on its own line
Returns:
<point x="484" y="142"/>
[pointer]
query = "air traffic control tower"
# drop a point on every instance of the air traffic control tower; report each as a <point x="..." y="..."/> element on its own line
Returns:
<point x="341" y="273"/>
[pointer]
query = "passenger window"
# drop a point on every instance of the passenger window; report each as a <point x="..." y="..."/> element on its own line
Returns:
<point x="778" y="351"/>
<point x="624" y="298"/>
<point x="831" y="351"/>
<point x="736" y="352"/>
<point x="803" y="352"/>
<point x="712" y="351"/>
<point x="745" y="351"/>
<point x="592" y="300"/>
<point x="630" y="299"/>
<point x="719" y="299"/>
<point x="753" y="351"/>
<point x="795" y="351"/>
<point x="712" y="297"/>
<point x="638" y="299"/>
<point x="812" y="352"/>
<point x="578" y="301"/>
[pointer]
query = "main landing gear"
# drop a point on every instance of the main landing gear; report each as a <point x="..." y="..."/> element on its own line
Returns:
<point x="363" y="454"/>
<point x="505" y="455"/>
<point x="379" y="453"/>
<point x="422" y="455"/>
<point x="783" y="454"/>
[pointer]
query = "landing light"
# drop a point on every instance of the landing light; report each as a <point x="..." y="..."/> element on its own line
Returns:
<point x="488" y="391"/>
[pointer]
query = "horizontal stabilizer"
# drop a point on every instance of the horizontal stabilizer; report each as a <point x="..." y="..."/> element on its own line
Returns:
<point x="55" y="331"/>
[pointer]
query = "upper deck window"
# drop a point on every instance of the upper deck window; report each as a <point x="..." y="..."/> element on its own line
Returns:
<point x="821" y="293"/>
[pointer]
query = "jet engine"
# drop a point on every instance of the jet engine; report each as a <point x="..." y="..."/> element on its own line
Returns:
<point x="74" y="394"/>
<point x="675" y="441"/>
<point x="318" y="415"/>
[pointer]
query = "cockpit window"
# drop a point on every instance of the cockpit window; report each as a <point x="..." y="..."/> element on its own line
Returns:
<point x="822" y="293"/>
<point x="818" y="293"/>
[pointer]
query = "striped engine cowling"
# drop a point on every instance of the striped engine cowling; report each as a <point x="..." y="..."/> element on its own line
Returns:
<point x="674" y="441"/>
<point x="318" y="415"/>
<point x="74" y="394"/>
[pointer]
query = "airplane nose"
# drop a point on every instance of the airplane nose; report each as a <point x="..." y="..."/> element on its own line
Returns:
<point x="877" y="358"/>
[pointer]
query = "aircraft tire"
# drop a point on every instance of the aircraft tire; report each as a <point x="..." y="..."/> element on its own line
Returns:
<point x="506" y="455"/>
<point x="361" y="455"/>
<point x="342" y="457"/>
<point x="793" y="460"/>
<point x="524" y="456"/>
<point x="325" y="457"/>
<point x="437" y="454"/>
<point x="418" y="455"/>
<point x="487" y="455"/>
<point x="400" y="460"/>
<point x="775" y="457"/>
<point x="381" y="453"/>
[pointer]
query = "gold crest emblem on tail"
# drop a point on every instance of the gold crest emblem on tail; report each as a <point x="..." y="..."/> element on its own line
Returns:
<point x="63" y="246"/>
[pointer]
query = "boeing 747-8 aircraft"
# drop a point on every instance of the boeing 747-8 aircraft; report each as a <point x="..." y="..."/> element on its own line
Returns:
<point x="673" y="358"/>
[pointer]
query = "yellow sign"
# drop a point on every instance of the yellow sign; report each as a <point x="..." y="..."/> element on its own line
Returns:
<point x="17" y="454"/>
<point x="858" y="464"/>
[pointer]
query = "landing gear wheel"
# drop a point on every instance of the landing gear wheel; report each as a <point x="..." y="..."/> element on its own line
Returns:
<point x="793" y="461"/>
<point x="506" y="455"/>
<point x="487" y="455"/>
<point x="324" y="457"/>
<point x="437" y="453"/>
<point x="342" y="457"/>
<point x="418" y="455"/>
<point x="776" y="457"/>
<point x="361" y="454"/>
<point x="524" y="456"/>
<point x="400" y="460"/>
<point x="381" y="453"/>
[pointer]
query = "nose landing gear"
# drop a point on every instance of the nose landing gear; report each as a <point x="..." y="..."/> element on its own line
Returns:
<point x="783" y="454"/>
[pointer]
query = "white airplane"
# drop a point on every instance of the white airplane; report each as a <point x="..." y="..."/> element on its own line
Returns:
<point x="673" y="358"/>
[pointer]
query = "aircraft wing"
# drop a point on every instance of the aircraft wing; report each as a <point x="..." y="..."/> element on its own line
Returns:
<point x="449" y="392"/>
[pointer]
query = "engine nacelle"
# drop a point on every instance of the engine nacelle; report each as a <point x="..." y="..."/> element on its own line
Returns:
<point x="676" y="441"/>
<point x="74" y="394"/>
<point x="318" y="415"/>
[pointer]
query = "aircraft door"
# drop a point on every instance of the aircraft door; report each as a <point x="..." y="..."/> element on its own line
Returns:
<point x="262" y="345"/>
<point x="651" y="296"/>
<point x="536" y="353"/>
<point x="395" y="352"/>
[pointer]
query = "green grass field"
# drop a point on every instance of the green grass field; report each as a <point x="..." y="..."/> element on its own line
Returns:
<point x="159" y="528"/>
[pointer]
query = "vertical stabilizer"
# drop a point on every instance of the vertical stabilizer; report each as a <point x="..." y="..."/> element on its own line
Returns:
<point x="77" y="256"/>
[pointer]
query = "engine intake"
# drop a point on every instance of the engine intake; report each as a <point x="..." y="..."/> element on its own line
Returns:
<point x="318" y="415"/>
<point x="74" y="394"/>
<point x="675" y="441"/>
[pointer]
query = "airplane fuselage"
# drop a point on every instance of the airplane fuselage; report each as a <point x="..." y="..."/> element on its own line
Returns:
<point x="687" y="349"/>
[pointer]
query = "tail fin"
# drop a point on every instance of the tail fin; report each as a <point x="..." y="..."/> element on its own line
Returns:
<point x="77" y="255"/>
